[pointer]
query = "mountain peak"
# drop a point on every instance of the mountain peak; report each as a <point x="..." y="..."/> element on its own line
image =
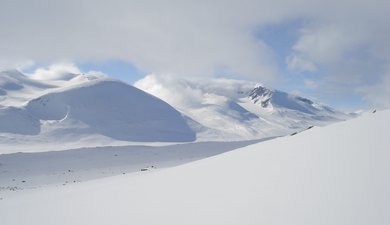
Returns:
<point x="262" y="95"/>
<point x="236" y="110"/>
<point x="86" y="106"/>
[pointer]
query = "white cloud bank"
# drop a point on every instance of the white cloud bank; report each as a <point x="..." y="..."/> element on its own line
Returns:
<point x="348" y="41"/>
<point x="191" y="93"/>
<point x="63" y="71"/>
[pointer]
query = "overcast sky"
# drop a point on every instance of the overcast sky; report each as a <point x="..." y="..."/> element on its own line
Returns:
<point x="334" y="51"/>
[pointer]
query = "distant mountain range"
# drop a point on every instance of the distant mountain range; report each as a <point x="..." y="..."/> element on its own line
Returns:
<point x="90" y="109"/>
<point x="234" y="110"/>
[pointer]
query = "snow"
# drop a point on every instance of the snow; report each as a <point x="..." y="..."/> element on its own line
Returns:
<point x="332" y="175"/>
<point x="80" y="111"/>
<point x="40" y="169"/>
<point x="115" y="110"/>
<point x="238" y="110"/>
<point x="59" y="108"/>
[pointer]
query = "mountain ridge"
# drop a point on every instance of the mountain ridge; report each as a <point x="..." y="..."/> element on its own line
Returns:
<point x="229" y="107"/>
<point x="85" y="106"/>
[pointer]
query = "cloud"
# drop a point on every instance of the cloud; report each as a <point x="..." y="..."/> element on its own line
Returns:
<point x="177" y="92"/>
<point x="6" y="64"/>
<point x="191" y="93"/>
<point x="346" y="42"/>
<point x="347" y="51"/>
<point x="64" y="71"/>
<point x="310" y="84"/>
<point x="299" y="63"/>
<point x="196" y="38"/>
<point x="378" y="94"/>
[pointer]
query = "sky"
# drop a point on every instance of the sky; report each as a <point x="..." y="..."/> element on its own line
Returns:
<point x="336" y="52"/>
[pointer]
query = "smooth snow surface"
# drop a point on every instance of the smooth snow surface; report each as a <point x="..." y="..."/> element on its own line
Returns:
<point x="41" y="169"/>
<point x="112" y="109"/>
<point x="338" y="174"/>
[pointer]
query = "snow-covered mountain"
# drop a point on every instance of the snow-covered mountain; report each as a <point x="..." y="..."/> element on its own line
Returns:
<point x="79" y="110"/>
<point x="82" y="106"/>
<point x="236" y="110"/>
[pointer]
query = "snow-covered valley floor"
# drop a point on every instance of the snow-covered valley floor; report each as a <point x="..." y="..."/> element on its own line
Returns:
<point x="337" y="174"/>
<point x="21" y="171"/>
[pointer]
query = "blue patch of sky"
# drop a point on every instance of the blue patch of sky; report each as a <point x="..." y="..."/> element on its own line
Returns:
<point x="117" y="69"/>
<point x="347" y="103"/>
<point x="281" y="37"/>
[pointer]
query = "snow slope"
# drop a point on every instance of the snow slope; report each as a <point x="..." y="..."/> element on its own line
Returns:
<point x="80" y="107"/>
<point x="16" y="88"/>
<point x="332" y="175"/>
<point x="236" y="110"/>
<point x="112" y="109"/>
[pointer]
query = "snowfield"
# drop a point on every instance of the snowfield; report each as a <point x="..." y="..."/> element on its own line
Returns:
<point x="24" y="171"/>
<point x="337" y="174"/>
